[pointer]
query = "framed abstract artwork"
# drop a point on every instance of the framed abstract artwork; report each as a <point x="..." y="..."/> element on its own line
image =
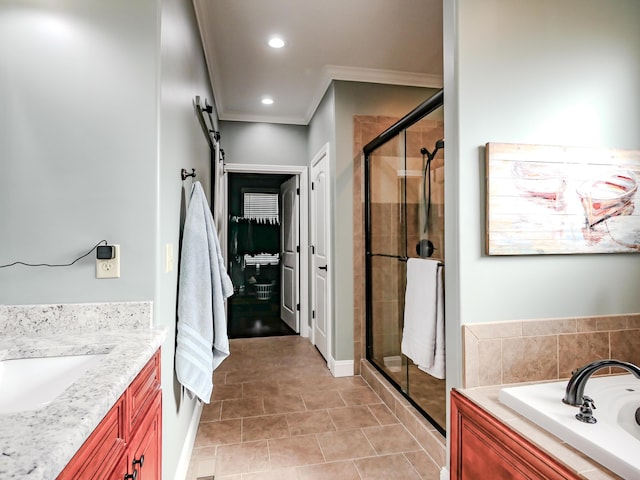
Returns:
<point x="561" y="200"/>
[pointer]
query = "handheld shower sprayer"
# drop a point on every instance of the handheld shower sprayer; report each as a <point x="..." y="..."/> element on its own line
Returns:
<point x="425" y="247"/>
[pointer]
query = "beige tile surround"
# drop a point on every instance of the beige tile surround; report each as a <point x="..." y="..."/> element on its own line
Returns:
<point x="433" y="443"/>
<point x="536" y="350"/>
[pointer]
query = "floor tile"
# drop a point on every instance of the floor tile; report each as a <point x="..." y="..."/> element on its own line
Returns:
<point x="242" y="458"/>
<point x="345" y="445"/>
<point x="295" y="451"/>
<point x="383" y="414"/>
<point x="278" y="474"/>
<point x="329" y="471"/>
<point x="218" y="433"/>
<point x="359" y="396"/>
<point x="226" y="392"/>
<point x="211" y="412"/>
<point x="391" y="439"/>
<point x="278" y="414"/>
<point x="318" y="400"/>
<point x="259" y="389"/>
<point x="352" y="417"/>
<point x="244" y="407"/>
<point x="394" y="466"/>
<point x="304" y="423"/>
<point x="283" y="404"/>
<point x="265" y="427"/>
<point x="427" y="469"/>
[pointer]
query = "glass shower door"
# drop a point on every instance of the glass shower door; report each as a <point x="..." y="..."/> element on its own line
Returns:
<point x="388" y="253"/>
<point x="404" y="197"/>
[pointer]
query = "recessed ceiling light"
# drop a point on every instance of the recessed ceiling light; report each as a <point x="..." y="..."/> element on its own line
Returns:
<point x="267" y="101"/>
<point x="276" y="42"/>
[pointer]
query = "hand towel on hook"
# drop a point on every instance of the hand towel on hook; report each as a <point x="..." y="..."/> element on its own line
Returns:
<point x="423" y="338"/>
<point x="203" y="286"/>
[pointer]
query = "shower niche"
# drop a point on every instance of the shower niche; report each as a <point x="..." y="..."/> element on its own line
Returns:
<point x="404" y="219"/>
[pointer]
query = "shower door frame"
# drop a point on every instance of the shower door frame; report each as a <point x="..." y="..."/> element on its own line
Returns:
<point x="431" y="104"/>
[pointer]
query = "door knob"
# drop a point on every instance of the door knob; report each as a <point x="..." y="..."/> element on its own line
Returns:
<point x="323" y="268"/>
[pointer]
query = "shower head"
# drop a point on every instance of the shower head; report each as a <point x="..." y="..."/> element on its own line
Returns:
<point x="439" y="145"/>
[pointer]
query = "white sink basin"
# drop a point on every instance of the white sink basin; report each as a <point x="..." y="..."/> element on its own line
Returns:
<point x="614" y="441"/>
<point x="32" y="383"/>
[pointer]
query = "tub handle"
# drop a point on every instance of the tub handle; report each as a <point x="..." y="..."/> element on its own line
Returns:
<point x="586" y="410"/>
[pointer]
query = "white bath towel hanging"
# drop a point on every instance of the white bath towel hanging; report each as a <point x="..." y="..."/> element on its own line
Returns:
<point x="423" y="339"/>
<point x="202" y="341"/>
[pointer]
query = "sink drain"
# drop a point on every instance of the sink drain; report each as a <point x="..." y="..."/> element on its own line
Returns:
<point x="638" y="416"/>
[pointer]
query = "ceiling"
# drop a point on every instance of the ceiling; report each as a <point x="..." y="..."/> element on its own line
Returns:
<point x="380" y="41"/>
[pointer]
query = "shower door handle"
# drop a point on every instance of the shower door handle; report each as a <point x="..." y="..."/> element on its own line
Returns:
<point x="323" y="268"/>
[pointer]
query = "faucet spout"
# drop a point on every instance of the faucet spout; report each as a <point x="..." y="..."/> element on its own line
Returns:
<point x="575" y="388"/>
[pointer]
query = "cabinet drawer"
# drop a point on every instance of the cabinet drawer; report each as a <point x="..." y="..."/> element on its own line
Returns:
<point x="142" y="392"/>
<point x="102" y="449"/>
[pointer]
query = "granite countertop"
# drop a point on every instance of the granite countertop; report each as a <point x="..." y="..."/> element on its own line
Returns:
<point x="38" y="444"/>
<point x="487" y="398"/>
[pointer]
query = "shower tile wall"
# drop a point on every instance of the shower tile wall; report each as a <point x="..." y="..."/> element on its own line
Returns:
<point x="388" y="227"/>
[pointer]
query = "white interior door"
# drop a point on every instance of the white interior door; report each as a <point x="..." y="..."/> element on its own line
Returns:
<point x="290" y="258"/>
<point x="320" y="235"/>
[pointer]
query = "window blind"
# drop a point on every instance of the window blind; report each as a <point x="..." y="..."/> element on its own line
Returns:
<point x="261" y="206"/>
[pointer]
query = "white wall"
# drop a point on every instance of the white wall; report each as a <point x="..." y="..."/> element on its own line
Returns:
<point x="264" y="143"/>
<point x="97" y="120"/>
<point x="78" y="129"/>
<point x="544" y="72"/>
<point x="183" y="76"/>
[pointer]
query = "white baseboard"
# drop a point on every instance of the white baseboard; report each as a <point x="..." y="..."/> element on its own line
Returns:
<point x="187" y="447"/>
<point x="341" y="368"/>
<point x="444" y="473"/>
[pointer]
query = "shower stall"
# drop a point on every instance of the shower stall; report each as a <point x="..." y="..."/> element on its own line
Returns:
<point x="404" y="218"/>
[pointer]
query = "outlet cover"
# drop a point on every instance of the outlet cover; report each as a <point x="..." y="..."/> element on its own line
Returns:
<point x="109" y="268"/>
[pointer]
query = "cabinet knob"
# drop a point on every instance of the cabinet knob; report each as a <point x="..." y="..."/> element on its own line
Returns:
<point x="140" y="461"/>
<point x="131" y="476"/>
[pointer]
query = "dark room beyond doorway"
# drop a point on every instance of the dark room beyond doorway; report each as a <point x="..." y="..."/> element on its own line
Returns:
<point x="254" y="255"/>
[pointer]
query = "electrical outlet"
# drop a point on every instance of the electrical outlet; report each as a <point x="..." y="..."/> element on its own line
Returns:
<point x="109" y="268"/>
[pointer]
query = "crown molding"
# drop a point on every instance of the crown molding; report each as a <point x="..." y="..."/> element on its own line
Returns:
<point x="368" y="75"/>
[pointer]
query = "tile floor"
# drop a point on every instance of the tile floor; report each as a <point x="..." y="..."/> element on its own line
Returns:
<point x="278" y="414"/>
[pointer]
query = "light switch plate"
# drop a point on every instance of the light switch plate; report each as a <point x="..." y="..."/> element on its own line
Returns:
<point x="169" y="257"/>
<point x="109" y="268"/>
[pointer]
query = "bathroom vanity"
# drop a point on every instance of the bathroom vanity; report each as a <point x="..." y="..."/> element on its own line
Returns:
<point x="489" y="440"/>
<point x="127" y="444"/>
<point x="102" y="424"/>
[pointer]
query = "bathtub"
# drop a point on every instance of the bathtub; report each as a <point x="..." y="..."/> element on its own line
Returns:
<point x="614" y="441"/>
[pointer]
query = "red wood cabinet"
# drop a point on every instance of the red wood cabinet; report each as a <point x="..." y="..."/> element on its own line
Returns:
<point x="483" y="447"/>
<point x="127" y="443"/>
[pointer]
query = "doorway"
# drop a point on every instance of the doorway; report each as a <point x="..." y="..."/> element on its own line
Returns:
<point x="265" y="232"/>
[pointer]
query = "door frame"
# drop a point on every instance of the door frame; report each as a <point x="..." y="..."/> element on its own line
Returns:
<point x="303" y="173"/>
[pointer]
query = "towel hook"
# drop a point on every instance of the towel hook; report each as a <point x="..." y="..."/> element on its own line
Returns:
<point x="184" y="174"/>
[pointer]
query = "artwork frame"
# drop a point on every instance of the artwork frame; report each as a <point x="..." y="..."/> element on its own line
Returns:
<point x="545" y="200"/>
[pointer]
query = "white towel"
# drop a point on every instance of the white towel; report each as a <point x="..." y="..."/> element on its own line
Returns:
<point x="202" y="341"/>
<point x="423" y="333"/>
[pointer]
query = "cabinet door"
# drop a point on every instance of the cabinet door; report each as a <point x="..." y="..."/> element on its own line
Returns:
<point x="146" y="444"/>
<point x="119" y="472"/>
<point x="483" y="447"/>
<point x="102" y="449"/>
